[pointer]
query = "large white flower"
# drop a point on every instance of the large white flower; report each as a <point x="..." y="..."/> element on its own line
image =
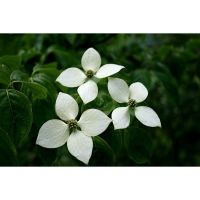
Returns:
<point x="87" y="87"/>
<point x="132" y="95"/>
<point x="78" y="134"/>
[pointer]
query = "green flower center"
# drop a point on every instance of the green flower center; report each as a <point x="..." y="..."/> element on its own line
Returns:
<point x="131" y="103"/>
<point x="89" y="73"/>
<point x="72" y="124"/>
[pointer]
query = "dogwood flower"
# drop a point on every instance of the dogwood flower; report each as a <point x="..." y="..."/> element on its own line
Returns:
<point x="132" y="95"/>
<point x="77" y="134"/>
<point x="87" y="87"/>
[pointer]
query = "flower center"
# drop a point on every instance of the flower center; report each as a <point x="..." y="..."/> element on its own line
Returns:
<point x="72" y="123"/>
<point x="131" y="103"/>
<point x="89" y="73"/>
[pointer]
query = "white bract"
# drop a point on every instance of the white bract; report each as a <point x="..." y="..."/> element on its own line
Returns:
<point x="78" y="134"/>
<point x="87" y="87"/>
<point x="132" y="95"/>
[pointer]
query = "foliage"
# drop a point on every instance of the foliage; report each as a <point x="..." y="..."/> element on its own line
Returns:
<point x="168" y="65"/>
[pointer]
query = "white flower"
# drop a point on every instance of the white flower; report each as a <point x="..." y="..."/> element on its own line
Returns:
<point x="132" y="95"/>
<point x="87" y="87"/>
<point x="78" y="134"/>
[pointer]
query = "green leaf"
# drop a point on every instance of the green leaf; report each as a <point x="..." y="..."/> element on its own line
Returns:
<point x="38" y="91"/>
<point x="45" y="81"/>
<point x="64" y="58"/>
<point x="138" y="144"/>
<point x="48" y="69"/>
<point x="102" y="153"/>
<point x="46" y="106"/>
<point x="4" y="74"/>
<point x="16" y="114"/>
<point x="47" y="156"/>
<point x="18" y="75"/>
<point x="64" y="158"/>
<point x="67" y="160"/>
<point x="7" y="65"/>
<point x="12" y="62"/>
<point x="8" y="155"/>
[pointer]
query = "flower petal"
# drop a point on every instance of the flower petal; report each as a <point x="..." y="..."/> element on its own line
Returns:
<point x="118" y="90"/>
<point x="108" y="70"/>
<point x="121" y="118"/>
<point x="80" y="146"/>
<point x="138" y="92"/>
<point x="91" y="60"/>
<point x="147" y="116"/>
<point x="88" y="91"/>
<point x="66" y="107"/>
<point x="53" y="134"/>
<point x="93" y="122"/>
<point x="71" y="77"/>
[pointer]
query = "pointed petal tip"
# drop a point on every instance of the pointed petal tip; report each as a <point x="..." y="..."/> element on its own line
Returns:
<point x="36" y="142"/>
<point x="71" y="77"/>
<point x="115" y="128"/>
<point x="147" y="116"/>
<point x="86" y="101"/>
<point x="108" y="70"/>
<point x="52" y="134"/>
<point x="80" y="146"/>
<point x="86" y="162"/>
<point x="119" y="128"/>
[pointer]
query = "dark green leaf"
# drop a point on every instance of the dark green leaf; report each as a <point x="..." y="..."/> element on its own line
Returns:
<point x="18" y="75"/>
<point x="65" y="58"/>
<point x="45" y="81"/>
<point x="138" y="144"/>
<point x="4" y="74"/>
<point x="12" y="62"/>
<point x="102" y="153"/>
<point x="64" y="158"/>
<point x="7" y="65"/>
<point x="48" y="69"/>
<point x="47" y="156"/>
<point x="16" y="114"/>
<point x="8" y="154"/>
<point x="38" y="91"/>
<point x="43" y="110"/>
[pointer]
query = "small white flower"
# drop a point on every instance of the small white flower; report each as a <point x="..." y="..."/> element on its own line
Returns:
<point x="87" y="87"/>
<point x="132" y="95"/>
<point x="78" y="134"/>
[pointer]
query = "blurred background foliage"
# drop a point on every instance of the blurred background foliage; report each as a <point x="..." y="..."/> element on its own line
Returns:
<point x="167" y="64"/>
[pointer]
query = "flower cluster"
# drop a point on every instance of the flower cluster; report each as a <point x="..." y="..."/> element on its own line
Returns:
<point x="78" y="133"/>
